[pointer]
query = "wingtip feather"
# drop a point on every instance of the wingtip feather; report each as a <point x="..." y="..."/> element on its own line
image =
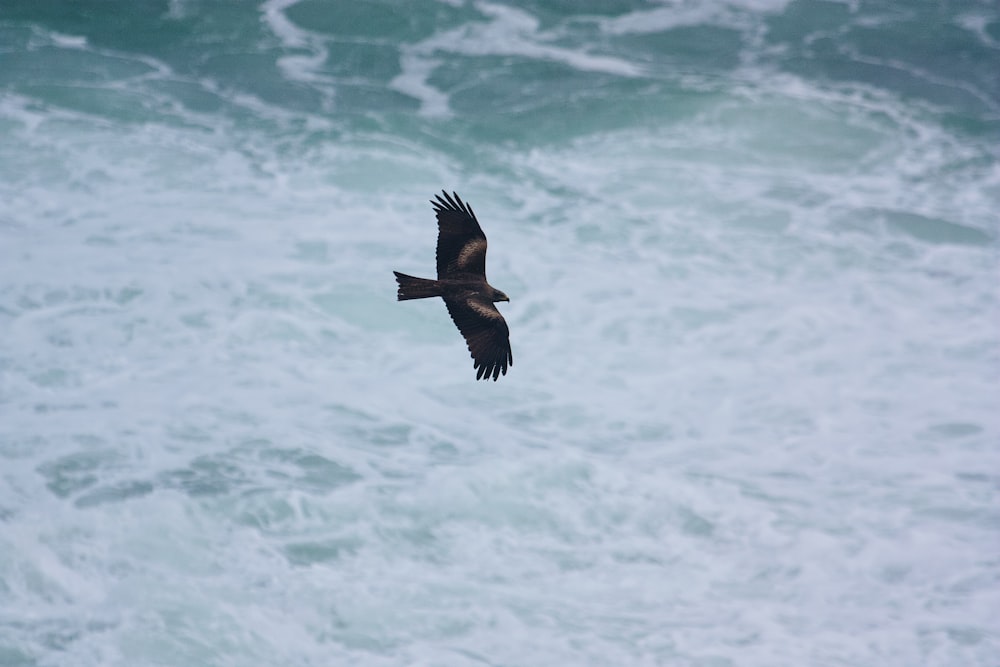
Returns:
<point x="451" y="202"/>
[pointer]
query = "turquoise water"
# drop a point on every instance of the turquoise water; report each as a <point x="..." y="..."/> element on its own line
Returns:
<point x="752" y="255"/>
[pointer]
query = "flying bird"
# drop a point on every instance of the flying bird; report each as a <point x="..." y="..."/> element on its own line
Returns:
<point x="461" y="282"/>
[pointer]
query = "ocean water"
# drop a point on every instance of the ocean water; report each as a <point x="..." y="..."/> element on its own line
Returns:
<point x="752" y="255"/>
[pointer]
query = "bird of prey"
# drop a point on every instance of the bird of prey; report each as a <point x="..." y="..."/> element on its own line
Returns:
<point x="461" y="282"/>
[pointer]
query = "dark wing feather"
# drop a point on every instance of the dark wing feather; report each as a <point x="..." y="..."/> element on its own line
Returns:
<point x="461" y="247"/>
<point x="486" y="333"/>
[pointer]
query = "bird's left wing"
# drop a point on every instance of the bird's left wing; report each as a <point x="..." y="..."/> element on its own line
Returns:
<point x="485" y="332"/>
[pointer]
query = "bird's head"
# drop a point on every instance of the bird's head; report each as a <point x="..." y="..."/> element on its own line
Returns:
<point x="499" y="296"/>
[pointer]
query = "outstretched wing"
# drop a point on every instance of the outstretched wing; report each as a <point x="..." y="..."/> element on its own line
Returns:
<point x="461" y="246"/>
<point x="486" y="333"/>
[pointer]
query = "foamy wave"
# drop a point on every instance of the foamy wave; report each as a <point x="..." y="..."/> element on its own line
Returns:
<point x="510" y="32"/>
<point x="300" y="67"/>
<point x="678" y="14"/>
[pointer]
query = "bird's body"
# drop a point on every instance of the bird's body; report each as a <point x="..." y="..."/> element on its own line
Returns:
<point x="461" y="282"/>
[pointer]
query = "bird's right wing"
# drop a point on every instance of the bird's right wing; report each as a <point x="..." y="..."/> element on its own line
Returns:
<point x="485" y="332"/>
<point x="461" y="246"/>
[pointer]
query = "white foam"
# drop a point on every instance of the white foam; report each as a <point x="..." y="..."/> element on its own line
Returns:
<point x="68" y="41"/>
<point x="683" y="14"/>
<point x="300" y="67"/>
<point x="509" y="32"/>
<point x="977" y="24"/>
<point x="413" y="81"/>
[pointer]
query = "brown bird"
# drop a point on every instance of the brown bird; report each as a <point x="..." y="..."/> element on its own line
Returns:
<point x="461" y="282"/>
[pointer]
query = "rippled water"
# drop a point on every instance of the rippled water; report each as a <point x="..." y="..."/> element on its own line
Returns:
<point x="751" y="251"/>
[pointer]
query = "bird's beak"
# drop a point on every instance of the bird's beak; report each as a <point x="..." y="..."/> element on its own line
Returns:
<point x="506" y="298"/>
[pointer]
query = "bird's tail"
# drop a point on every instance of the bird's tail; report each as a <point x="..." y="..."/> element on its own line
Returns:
<point x="411" y="287"/>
